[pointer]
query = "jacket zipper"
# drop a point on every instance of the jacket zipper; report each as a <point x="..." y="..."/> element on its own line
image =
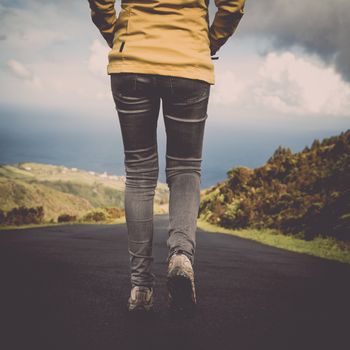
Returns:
<point x="122" y="46"/>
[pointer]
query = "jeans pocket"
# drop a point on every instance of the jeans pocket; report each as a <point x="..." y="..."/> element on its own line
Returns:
<point x="122" y="83"/>
<point x="190" y="90"/>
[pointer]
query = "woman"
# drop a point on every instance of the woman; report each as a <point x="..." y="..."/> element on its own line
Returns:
<point x="161" y="51"/>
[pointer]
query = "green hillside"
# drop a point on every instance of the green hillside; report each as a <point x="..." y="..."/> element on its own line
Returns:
<point x="306" y="194"/>
<point x="61" y="190"/>
<point x="16" y="193"/>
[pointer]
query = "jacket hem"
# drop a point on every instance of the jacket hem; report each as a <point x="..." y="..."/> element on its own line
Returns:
<point x="188" y="73"/>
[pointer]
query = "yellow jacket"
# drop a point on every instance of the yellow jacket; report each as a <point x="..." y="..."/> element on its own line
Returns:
<point x="166" y="37"/>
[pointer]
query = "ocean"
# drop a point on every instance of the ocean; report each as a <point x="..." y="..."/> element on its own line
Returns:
<point x="53" y="139"/>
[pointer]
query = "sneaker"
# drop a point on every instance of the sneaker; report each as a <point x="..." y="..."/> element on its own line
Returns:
<point x="180" y="283"/>
<point x="141" y="299"/>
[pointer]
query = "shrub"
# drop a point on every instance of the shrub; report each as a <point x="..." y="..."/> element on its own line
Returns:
<point x="24" y="216"/>
<point x="66" y="218"/>
<point x="2" y="217"/>
<point x="95" y="216"/>
<point x="115" y="213"/>
<point x="305" y="192"/>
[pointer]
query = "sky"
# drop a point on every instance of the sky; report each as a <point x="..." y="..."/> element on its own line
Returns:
<point x="285" y="72"/>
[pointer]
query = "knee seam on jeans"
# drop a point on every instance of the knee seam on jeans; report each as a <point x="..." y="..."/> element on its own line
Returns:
<point x="126" y="111"/>
<point x="183" y="168"/>
<point x="140" y="242"/>
<point x="184" y="159"/>
<point x="139" y="220"/>
<point x="142" y="170"/>
<point x="153" y="156"/>
<point x="141" y="178"/>
<point x="187" y="120"/>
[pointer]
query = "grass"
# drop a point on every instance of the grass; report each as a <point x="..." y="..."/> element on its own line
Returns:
<point x="50" y="224"/>
<point x="327" y="248"/>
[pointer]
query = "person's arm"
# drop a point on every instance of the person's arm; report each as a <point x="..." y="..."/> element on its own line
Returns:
<point x="225" y="22"/>
<point x="103" y="15"/>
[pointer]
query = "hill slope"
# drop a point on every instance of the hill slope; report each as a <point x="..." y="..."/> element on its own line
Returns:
<point x="306" y="193"/>
<point x="64" y="190"/>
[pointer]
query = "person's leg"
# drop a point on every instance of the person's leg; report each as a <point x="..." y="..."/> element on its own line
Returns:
<point x="138" y="105"/>
<point x="185" y="113"/>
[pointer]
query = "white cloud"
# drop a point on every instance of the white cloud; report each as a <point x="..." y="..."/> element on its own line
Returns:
<point x="297" y="85"/>
<point x="20" y="71"/>
<point x="228" y="88"/>
<point x="69" y="86"/>
<point x="59" y="48"/>
<point x="287" y="83"/>
<point x="54" y="47"/>
<point x="98" y="59"/>
<point x="33" y="27"/>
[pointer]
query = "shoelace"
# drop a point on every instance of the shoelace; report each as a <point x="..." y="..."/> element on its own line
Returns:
<point x="141" y="295"/>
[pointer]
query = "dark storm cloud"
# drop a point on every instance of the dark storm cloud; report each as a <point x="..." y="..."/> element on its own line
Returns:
<point x="319" y="26"/>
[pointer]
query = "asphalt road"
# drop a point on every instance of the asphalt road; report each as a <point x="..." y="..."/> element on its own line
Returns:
<point x="66" y="287"/>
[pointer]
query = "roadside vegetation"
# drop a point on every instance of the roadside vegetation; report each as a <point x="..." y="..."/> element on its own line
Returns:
<point x="323" y="247"/>
<point x="305" y="196"/>
<point x="23" y="217"/>
<point x="306" y="193"/>
<point x="40" y="194"/>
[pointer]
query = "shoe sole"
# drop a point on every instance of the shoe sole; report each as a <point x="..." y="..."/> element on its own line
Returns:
<point x="181" y="294"/>
<point x="141" y="308"/>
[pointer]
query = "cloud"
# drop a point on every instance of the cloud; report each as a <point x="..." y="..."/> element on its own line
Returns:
<point x="228" y="88"/>
<point x="58" y="47"/>
<point x="19" y="70"/>
<point x="285" y="83"/>
<point x="32" y="27"/>
<point x="52" y="45"/>
<point x="98" y="59"/>
<point x="296" y="85"/>
<point x="43" y="28"/>
<point x="320" y="27"/>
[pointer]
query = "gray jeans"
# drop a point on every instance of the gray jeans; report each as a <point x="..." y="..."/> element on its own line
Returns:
<point x="184" y="101"/>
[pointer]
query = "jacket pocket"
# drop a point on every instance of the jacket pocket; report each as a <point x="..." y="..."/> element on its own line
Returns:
<point x="121" y="30"/>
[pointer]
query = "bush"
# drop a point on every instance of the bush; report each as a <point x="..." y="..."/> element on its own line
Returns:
<point x="66" y="218"/>
<point x="2" y="217"/>
<point x="305" y="192"/>
<point x="95" y="216"/>
<point x="115" y="213"/>
<point x="24" y="216"/>
<point x="104" y="214"/>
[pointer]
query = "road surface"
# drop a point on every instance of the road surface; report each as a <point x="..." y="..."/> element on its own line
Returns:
<point x="66" y="287"/>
